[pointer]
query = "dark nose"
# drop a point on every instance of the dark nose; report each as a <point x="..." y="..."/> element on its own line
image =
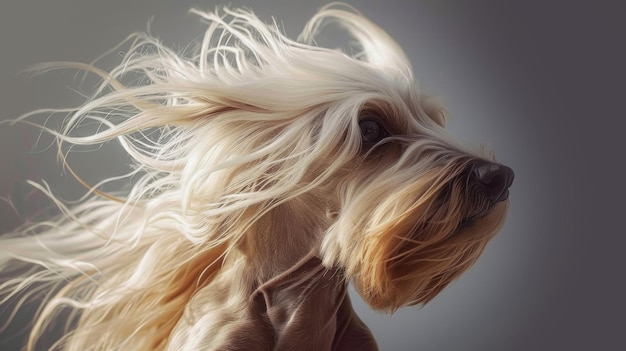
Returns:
<point x="492" y="180"/>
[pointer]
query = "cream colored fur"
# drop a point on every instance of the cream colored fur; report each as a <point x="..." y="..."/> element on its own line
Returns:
<point x="248" y="160"/>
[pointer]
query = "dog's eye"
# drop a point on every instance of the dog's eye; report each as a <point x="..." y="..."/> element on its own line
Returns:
<point x="372" y="131"/>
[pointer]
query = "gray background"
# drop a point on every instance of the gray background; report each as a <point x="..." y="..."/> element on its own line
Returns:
<point x="542" y="83"/>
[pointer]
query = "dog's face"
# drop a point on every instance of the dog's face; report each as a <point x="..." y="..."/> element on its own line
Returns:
<point x="415" y="213"/>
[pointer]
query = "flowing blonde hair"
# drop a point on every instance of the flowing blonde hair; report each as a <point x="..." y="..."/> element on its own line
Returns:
<point x="219" y="138"/>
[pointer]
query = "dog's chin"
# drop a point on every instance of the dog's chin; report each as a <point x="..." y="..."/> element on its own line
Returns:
<point x="412" y="263"/>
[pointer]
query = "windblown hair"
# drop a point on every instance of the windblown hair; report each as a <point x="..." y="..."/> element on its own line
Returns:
<point x="248" y="127"/>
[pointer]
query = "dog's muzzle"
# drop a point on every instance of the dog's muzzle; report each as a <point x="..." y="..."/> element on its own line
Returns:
<point x="492" y="180"/>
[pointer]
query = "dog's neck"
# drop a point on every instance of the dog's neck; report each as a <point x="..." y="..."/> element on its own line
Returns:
<point x="302" y="299"/>
<point x="310" y="302"/>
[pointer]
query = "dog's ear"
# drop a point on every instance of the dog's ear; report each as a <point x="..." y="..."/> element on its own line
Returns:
<point x="378" y="48"/>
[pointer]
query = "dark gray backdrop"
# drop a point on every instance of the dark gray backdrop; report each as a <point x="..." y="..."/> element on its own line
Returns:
<point x="539" y="82"/>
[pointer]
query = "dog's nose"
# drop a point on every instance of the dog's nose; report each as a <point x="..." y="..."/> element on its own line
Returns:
<point x="492" y="179"/>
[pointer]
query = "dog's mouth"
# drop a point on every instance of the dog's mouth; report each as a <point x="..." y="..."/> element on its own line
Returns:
<point x="471" y="220"/>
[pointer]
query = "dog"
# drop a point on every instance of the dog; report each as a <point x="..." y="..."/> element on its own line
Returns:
<point x="269" y="173"/>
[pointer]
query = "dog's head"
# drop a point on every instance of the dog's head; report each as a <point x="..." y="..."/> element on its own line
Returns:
<point x="415" y="209"/>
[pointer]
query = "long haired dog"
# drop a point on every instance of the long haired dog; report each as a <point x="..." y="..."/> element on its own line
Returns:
<point x="268" y="174"/>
